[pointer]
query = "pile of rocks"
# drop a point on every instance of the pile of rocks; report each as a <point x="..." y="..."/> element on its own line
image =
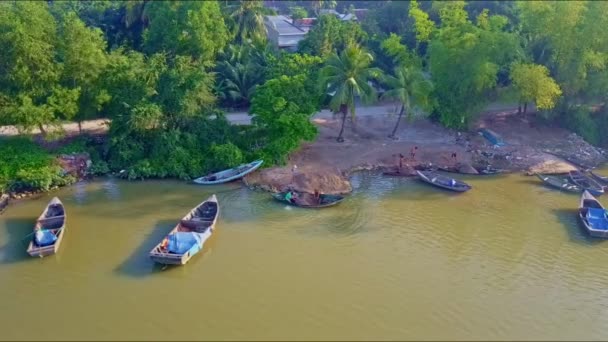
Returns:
<point x="577" y="151"/>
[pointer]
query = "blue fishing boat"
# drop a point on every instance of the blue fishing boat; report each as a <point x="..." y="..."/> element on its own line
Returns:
<point x="230" y="174"/>
<point x="593" y="216"/>
<point x="492" y="137"/>
<point x="189" y="235"/>
<point x="49" y="230"/>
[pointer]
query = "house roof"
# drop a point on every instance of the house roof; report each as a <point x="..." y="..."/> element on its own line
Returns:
<point x="283" y="25"/>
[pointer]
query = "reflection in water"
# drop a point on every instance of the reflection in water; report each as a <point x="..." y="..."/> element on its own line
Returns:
<point x="396" y="260"/>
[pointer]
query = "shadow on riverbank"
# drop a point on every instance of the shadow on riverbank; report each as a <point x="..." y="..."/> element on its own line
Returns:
<point x="139" y="264"/>
<point x="569" y="219"/>
<point x="19" y="232"/>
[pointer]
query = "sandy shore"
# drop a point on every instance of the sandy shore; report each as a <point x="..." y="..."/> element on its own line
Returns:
<point x="530" y="147"/>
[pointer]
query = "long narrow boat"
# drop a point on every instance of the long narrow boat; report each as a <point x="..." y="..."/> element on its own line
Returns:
<point x="593" y="216"/>
<point x="189" y="235"/>
<point x="49" y="230"/>
<point x="443" y="181"/>
<point x="492" y="137"/>
<point x="488" y="170"/>
<point x="599" y="178"/>
<point x="3" y="202"/>
<point x="230" y="174"/>
<point x="306" y="200"/>
<point x="586" y="182"/>
<point x="558" y="182"/>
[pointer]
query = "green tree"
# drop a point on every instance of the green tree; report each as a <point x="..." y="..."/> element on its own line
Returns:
<point x="193" y="28"/>
<point x="248" y="17"/>
<point x="533" y="83"/>
<point x="568" y="39"/>
<point x="330" y="35"/>
<point x="298" y="12"/>
<point x="241" y="69"/>
<point x="465" y="60"/>
<point x="82" y="53"/>
<point x="409" y="86"/>
<point x="281" y="109"/>
<point x="345" y="76"/>
<point x="318" y="5"/>
<point x="28" y="73"/>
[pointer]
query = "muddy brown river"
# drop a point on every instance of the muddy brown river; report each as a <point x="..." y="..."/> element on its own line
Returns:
<point x="396" y="260"/>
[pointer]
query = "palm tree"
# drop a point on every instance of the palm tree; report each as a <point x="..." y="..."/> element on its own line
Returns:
<point x="345" y="76"/>
<point x="249" y="19"/>
<point x="318" y="5"/>
<point x="136" y="11"/>
<point x="410" y="87"/>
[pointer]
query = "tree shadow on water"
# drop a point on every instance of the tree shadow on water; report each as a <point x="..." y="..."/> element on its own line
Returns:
<point x="19" y="232"/>
<point x="139" y="264"/>
<point x="569" y="219"/>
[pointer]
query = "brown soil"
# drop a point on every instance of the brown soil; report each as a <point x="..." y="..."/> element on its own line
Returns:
<point x="530" y="146"/>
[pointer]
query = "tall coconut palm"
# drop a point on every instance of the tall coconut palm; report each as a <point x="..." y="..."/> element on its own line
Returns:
<point x="409" y="86"/>
<point x="249" y="20"/>
<point x="136" y="11"/>
<point x="345" y="76"/>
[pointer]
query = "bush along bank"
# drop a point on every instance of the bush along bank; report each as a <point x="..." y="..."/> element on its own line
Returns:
<point x="26" y="167"/>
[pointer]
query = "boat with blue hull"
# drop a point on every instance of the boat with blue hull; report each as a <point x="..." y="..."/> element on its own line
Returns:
<point x="189" y="235"/>
<point x="593" y="216"/>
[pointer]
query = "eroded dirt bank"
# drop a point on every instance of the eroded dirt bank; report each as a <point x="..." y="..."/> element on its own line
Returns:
<point x="325" y="164"/>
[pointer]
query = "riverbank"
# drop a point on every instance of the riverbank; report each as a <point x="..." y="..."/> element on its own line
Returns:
<point x="530" y="147"/>
<point x="326" y="164"/>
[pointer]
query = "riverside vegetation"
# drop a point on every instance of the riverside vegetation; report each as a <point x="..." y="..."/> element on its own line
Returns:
<point x="162" y="71"/>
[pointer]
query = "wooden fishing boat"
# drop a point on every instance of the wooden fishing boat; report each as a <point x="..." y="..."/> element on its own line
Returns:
<point x="189" y="235"/>
<point x="593" y="216"/>
<point x="599" y="178"/>
<point x="49" y="230"/>
<point x="230" y="174"/>
<point x="586" y="182"/>
<point x="307" y="200"/>
<point x="489" y="170"/>
<point x="3" y="202"/>
<point x="558" y="182"/>
<point x="443" y="181"/>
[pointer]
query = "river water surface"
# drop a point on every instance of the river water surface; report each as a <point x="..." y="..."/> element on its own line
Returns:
<point x="396" y="260"/>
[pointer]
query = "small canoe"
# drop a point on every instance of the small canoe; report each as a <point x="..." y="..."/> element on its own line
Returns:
<point x="593" y="216"/>
<point x="230" y="174"/>
<point x="49" y="230"/>
<point x="306" y="200"/>
<point x="599" y="178"/>
<point x="443" y="182"/>
<point x="489" y="171"/>
<point x="558" y="182"/>
<point x="189" y="235"/>
<point x="492" y="137"/>
<point x="586" y="182"/>
<point x="3" y="202"/>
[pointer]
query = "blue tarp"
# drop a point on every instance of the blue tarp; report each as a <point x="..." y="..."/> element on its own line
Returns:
<point x="181" y="242"/>
<point x="492" y="137"/>
<point x="597" y="218"/>
<point x="45" y="237"/>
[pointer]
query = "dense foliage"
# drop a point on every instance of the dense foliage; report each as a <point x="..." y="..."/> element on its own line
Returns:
<point x="26" y="166"/>
<point x="161" y="71"/>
